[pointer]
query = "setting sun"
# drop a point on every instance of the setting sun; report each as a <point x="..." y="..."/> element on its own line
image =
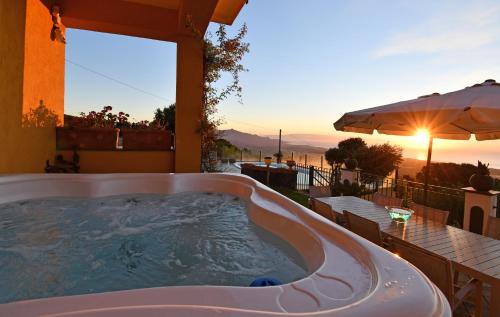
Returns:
<point x="422" y="137"/>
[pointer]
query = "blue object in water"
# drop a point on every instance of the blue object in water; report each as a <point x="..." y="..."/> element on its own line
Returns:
<point x="265" y="281"/>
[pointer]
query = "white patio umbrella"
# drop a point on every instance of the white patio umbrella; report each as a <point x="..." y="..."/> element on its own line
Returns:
<point x="455" y="116"/>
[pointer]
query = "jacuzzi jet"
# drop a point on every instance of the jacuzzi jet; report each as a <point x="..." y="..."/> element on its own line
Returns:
<point x="265" y="281"/>
<point x="129" y="253"/>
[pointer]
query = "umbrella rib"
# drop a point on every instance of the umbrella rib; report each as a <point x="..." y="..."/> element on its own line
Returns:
<point x="456" y="125"/>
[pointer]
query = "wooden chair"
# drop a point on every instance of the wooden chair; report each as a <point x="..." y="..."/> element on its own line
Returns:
<point x="493" y="228"/>
<point x="439" y="270"/>
<point x="365" y="228"/>
<point x="319" y="191"/>
<point x="323" y="209"/>
<point x="383" y="200"/>
<point x="433" y="214"/>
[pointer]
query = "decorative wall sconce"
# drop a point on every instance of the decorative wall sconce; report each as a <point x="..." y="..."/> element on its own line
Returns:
<point x="57" y="34"/>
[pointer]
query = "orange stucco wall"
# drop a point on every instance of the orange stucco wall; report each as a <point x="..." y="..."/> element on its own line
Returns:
<point x="43" y="61"/>
<point x="32" y="69"/>
<point x="123" y="161"/>
<point x="11" y="76"/>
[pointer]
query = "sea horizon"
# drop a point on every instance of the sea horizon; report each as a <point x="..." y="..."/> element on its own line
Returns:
<point x="470" y="151"/>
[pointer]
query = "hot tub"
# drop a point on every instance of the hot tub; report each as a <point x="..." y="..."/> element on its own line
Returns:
<point x="347" y="275"/>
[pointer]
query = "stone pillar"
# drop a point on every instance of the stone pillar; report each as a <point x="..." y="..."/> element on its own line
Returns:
<point x="31" y="75"/>
<point x="352" y="176"/>
<point x="188" y="108"/>
<point x="479" y="206"/>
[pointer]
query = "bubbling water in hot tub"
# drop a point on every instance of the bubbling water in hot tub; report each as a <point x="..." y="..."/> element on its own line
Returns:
<point x="66" y="246"/>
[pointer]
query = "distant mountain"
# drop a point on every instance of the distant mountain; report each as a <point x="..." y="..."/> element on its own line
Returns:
<point x="255" y="142"/>
<point x="319" y="140"/>
<point x="298" y="143"/>
<point x="411" y="167"/>
<point x="314" y="145"/>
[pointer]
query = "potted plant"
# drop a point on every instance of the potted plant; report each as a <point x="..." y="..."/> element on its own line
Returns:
<point x="290" y="163"/>
<point x="268" y="160"/>
<point x="92" y="131"/>
<point x="278" y="156"/>
<point x="351" y="164"/>
<point x="481" y="180"/>
<point x="104" y="130"/>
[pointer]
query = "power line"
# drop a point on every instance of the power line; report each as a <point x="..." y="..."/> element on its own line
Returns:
<point x="149" y="93"/>
<point x="116" y="80"/>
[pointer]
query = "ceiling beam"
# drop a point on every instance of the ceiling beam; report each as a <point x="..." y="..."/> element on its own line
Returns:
<point x="120" y="17"/>
<point x="227" y="11"/>
<point x="169" y="4"/>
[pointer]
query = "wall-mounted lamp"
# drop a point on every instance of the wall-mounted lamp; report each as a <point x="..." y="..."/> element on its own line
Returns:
<point x="57" y="34"/>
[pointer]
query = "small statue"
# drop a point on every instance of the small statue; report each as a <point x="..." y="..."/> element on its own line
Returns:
<point x="57" y="32"/>
<point x="63" y="166"/>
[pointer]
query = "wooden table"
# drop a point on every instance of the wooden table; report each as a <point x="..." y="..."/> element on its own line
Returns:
<point x="474" y="254"/>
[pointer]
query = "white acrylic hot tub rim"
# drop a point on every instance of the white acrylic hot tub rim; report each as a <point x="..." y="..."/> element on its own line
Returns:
<point x="317" y="239"/>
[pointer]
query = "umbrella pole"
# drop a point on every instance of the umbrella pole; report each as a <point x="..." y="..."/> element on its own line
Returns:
<point x="427" y="169"/>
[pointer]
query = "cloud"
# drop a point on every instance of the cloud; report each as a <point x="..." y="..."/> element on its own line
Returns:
<point x="463" y="30"/>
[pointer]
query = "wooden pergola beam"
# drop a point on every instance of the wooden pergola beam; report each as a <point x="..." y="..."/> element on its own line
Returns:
<point x="120" y="17"/>
<point x="146" y="18"/>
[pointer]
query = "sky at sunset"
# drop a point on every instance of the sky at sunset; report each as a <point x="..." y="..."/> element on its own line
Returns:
<point x="310" y="62"/>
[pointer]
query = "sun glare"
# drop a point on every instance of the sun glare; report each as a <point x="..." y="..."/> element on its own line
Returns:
<point x="422" y="137"/>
